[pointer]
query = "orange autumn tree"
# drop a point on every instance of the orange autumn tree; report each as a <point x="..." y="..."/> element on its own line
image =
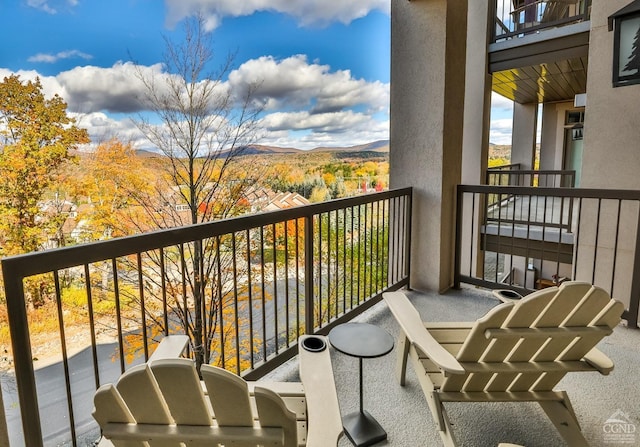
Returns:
<point x="36" y="137"/>
<point x="111" y="180"/>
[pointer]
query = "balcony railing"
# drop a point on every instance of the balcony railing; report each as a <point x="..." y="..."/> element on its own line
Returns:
<point x="512" y="175"/>
<point x="534" y="236"/>
<point x="514" y="18"/>
<point x="505" y="208"/>
<point x="263" y="281"/>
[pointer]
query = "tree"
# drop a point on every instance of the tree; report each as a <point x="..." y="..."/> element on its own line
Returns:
<point x="111" y="180"/>
<point x="634" y="58"/>
<point x="36" y="136"/>
<point x="204" y="127"/>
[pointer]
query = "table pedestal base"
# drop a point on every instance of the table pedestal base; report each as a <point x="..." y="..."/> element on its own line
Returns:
<point x="362" y="429"/>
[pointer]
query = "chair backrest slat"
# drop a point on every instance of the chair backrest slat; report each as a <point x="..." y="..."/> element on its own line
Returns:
<point x="110" y="407"/>
<point x="558" y="323"/>
<point x="585" y="311"/>
<point x="140" y="391"/>
<point x="179" y="384"/>
<point x="476" y="344"/>
<point x="523" y="315"/>
<point x="568" y="295"/>
<point x="609" y="317"/>
<point x="229" y="397"/>
<point x="273" y="413"/>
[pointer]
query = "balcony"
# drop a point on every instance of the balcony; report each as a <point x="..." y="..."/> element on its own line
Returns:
<point x="516" y="18"/>
<point x="273" y="277"/>
<point x="539" y="50"/>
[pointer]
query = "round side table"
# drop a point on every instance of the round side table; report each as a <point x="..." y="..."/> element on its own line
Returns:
<point x="364" y="341"/>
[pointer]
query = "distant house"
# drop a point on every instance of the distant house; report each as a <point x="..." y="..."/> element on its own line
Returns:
<point x="265" y="199"/>
<point x="284" y="200"/>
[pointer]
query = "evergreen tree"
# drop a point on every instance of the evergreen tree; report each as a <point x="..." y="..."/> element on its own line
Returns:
<point x="634" y="59"/>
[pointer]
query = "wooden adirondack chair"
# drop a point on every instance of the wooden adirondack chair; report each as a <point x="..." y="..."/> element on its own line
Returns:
<point x="163" y="403"/>
<point x="517" y="352"/>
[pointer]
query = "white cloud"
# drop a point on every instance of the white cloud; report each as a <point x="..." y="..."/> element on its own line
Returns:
<point x="499" y="102"/>
<point x="42" y="5"/>
<point x="500" y="131"/>
<point x="52" y="58"/>
<point x="326" y="129"/>
<point x="46" y="5"/>
<point x="307" y="12"/>
<point x="50" y="85"/>
<point x="293" y="83"/>
<point x="306" y="103"/>
<point x="114" y="89"/>
<point x="102" y="127"/>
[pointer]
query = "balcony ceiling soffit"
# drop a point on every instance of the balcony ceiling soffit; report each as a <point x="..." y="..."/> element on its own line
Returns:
<point x="545" y="67"/>
<point x="546" y="82"/>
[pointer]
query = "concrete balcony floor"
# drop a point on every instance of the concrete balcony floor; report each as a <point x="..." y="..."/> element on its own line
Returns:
<point x="404" y="414"/>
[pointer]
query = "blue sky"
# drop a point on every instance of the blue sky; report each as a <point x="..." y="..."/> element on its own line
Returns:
<point x="308" y="52"/>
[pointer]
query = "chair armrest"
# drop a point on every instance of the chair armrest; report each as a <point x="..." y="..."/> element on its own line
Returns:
<point x="324" y="427"/>
<point x="599" y="361"/>
<point x="170" y="347"/>
<point x="409" y="320"/>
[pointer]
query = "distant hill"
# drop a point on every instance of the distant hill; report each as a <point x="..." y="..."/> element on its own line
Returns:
<point x="499" y="151"/>
<point x="380" y="146"/>
<point x="143" y="153"/>
<point x="376" y="146"/>
<point x="260" y="149"/>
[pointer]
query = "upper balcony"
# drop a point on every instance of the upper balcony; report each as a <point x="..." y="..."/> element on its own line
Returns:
<point x="539" y="49"/>
<point x="519" y="18"/>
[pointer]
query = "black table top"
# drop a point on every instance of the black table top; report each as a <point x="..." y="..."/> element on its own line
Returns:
<point x="362" y="340"/>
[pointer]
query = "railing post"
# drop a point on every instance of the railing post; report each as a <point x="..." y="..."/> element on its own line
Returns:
<point x="457" y="263"/>
<point x="634" y="300"/>
<point x="408" y="230"/>
<point x="308" y="275"/>
<point x="4" y="434"/>
<point x="493" y="19"/>
<point x="22" y="357"/>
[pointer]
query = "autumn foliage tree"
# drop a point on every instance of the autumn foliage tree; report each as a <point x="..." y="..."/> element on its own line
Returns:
<point x="112" y="179"/>
<point x="36" y="136"/>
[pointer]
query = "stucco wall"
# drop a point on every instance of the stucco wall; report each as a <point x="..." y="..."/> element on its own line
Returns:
<point x="611" y="157"/>
<point x="611" y="160"/>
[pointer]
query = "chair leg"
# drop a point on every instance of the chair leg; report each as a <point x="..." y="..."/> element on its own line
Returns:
<point x="403" y="355"/>
<point x="441" y="418"/>
<point x="438" y="411"/>
<point x="565" y="420"/>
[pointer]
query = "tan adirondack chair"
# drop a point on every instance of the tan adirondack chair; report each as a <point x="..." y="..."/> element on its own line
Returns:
<point x="517" y="352"/>
<point x="163" y="403"/>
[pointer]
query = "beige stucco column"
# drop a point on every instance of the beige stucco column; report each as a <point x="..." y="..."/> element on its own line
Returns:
<point x="477" y="122"/>
<point x="523" y="144"/>
<point x="477" y="99"/>
<point x="428" y="42"/>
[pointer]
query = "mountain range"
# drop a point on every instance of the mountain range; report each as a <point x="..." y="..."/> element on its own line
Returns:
<point x="380" y="146"/>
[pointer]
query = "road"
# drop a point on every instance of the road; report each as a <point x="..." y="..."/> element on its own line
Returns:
<point x="52" y="398"/>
